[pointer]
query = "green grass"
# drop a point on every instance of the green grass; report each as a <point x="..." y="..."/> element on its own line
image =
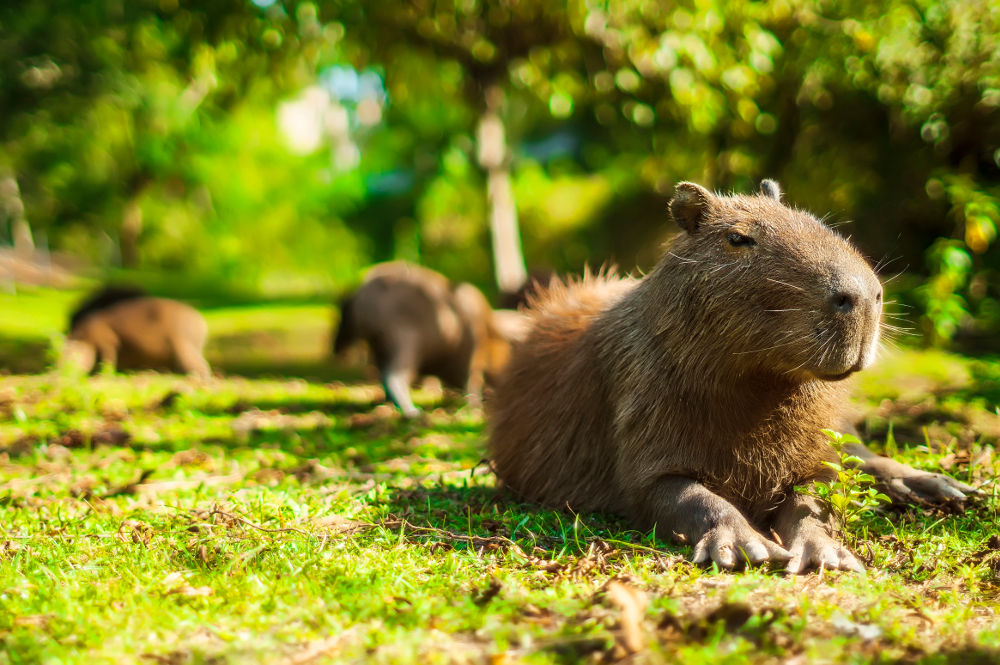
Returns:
<point x="156" y="519"/>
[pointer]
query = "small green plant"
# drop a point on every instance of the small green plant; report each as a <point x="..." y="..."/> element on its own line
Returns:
<point x="852" y="492"/>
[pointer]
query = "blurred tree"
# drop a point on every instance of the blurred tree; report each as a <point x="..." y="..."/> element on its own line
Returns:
<point x="483" y="40"/>
<point x="111" y="109"/>
<point x="885" y="114"/>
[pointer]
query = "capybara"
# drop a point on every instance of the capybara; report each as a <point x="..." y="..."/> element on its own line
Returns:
<point x="693" y="399"/>
<point x="537" y="278"/>
<point x="418" y="323"/>
<point x="129" y="330"/>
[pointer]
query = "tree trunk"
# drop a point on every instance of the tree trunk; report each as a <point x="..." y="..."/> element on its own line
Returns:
<point x="131" y="228"/>
<point x="508" y="259"/>
<point x="12" y="210"/>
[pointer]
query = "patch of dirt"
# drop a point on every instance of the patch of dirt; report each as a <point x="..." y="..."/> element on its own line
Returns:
<point x="21" y="446"/>
<point x="989" y="554"/>
<point x="111" y="435"/>
<point x="337" y="525"/>
<point x="71" y="438"/>
<point x="193" y="457"/>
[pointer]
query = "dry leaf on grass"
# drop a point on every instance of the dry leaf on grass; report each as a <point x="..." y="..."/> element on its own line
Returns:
<point x="175" y="584"/>
<point x="317" y="649"/>
<point x="167" y="401"/>
<point x="336" y="524"/>
<point x="192" y="457"/>
<point x="483" y="597"/>
<point x="169" y="658"/>
<point x="128" y="488"/>
<point x="632" y="603"/>
<point x="34" y="620"/>
<point x="9" y="548"/>
<point x="134" y="531"/>
<point x="255" y="419"/>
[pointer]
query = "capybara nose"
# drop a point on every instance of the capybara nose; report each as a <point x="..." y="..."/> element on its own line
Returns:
<point x="843" y="301"/>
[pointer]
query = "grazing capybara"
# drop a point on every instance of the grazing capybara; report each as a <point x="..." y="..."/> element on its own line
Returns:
<point x="418" y="323"/>
<point x="129" y="330"/>
<point x="693" y="399"/>
<point x="537" y="278"/>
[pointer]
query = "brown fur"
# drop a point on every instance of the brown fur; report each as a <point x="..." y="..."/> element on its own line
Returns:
<point x="416" y="323"/>
<point x="721" y="366"/>
<point x="140" y="333"/>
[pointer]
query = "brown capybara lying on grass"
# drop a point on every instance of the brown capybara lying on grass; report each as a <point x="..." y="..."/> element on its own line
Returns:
<point x="693" y="399"/>
<point x="418" y="323"/>
<point x="129" y="330"/>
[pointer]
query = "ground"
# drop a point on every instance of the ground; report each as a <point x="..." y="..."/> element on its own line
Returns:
<point x="152" y="518"/>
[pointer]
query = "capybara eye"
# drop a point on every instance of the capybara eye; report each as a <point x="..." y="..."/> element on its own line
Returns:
<point x="740" y="240"/>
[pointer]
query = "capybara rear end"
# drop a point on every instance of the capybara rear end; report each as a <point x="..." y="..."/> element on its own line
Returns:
<point x="128" y="330"/>
<point x="418" y="323"/>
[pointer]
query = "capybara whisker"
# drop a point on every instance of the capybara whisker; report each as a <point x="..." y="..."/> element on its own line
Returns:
<point x="883" y="264"/>
<point x="766" y="348"/>
<point x="778" y="281"/>
<point x="681" y="258"/>
<point x="893" y="277"/>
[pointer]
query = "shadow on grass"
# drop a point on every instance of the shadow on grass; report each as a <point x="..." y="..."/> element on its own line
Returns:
<point x="19" y="355"/>
<point x="356" y="435"/>
<point x="965" y="656"/>
<point x="968" y="413"/>
<point x="480" y="518"/>
<point x="280" y="370"/>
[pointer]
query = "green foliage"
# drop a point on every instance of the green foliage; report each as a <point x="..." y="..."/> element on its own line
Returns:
<point x="852" y="493"/>
<point x="178" y="111"/>
<point x="955" y="265"/>
<point x="945" y="308"/>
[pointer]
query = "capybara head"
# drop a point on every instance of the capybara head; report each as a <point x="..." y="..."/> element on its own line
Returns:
<point x="773" y="287"/>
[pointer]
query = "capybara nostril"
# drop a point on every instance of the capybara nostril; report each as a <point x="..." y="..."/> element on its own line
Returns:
<point x="843" y="302"/>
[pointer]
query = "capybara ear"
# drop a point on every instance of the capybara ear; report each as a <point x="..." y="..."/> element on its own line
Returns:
<point x="690" y="204"/>
<point x="771" y="189"/>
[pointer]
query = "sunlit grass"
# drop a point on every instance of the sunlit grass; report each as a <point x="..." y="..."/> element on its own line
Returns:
<point x="151" y="518"/>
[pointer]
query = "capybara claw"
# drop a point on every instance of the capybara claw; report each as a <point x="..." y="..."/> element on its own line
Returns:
<point x="729" y="548"/>
<point x="818" y="551"/>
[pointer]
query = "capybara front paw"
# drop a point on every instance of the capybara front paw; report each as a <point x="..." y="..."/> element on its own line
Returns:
<point x="817" y="550"/>
<point x="731" y="545"/>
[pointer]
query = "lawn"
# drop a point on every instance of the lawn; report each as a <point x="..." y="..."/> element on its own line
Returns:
<point x="280" y="513"/>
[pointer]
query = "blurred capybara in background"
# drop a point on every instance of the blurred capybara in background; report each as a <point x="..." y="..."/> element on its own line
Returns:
<point x="130" y="330"/>
<point x="537" y="280"/>
<point x="418" y="323"/>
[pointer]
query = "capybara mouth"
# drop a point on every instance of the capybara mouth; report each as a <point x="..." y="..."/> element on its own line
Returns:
<point x="842" y="375"/>
<point x="837" y="377"/>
